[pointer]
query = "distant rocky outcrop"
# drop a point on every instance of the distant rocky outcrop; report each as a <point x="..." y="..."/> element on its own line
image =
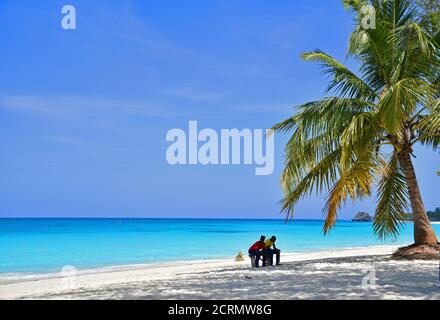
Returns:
<point x="362" y="217"/>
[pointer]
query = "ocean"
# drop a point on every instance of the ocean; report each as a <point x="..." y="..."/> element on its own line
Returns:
<point x="48" y="245"/>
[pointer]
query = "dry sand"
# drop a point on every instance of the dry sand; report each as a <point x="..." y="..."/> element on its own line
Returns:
<point x="335" y="274"/>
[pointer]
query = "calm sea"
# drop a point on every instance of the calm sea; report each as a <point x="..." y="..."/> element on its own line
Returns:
<point x="46" y="245"/>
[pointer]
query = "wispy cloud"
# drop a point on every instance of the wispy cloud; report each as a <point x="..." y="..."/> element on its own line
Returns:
<point x="262" y="108"/>
<point x="148" y="40"/>
<point x="237" y="69"/>
<point x="34" y="104"/>
<point x="95" y="148"/>
<point x="126" y="24"/>
<point x="67" y="140"/>
<point x="71" y="105"/>
<point x="194" y="94"/>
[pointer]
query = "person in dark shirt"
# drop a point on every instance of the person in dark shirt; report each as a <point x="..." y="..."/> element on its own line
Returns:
<point x="257" y="250"/>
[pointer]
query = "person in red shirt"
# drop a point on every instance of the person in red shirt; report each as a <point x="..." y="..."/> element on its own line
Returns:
<point x="256" y="250"/>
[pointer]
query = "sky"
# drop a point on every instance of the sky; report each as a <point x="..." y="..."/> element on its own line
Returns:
<point x="84" y="113"/>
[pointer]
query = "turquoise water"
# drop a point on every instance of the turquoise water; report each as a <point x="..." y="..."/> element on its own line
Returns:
<point x="46" y="245"/>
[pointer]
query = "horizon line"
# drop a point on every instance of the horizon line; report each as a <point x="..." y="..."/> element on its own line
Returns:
<point x="170" y="218"/>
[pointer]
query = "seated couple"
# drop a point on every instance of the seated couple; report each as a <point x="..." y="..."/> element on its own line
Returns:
<point x="265" y="248"/>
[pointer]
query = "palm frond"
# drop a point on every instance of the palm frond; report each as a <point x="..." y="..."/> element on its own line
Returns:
<point x="354" y="183"/>
<point x="344" y="82"/>
<point x="392" y="200"/>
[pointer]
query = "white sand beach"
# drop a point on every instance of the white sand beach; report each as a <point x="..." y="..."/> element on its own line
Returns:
<point x="336" y="274"/>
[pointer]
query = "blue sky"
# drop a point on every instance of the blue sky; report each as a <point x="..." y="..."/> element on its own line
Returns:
<point x="84" y="113"/>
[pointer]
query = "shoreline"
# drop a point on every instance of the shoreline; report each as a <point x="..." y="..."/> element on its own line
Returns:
<point x="128" y="266"/>
<point x="12" y="277"/>
<point x="56" y="285"/>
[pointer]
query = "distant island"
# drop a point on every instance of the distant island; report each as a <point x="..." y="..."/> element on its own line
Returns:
<point x="362" y="217"/>
<point x="432" y="215"/>
<point x="365" y="217"/>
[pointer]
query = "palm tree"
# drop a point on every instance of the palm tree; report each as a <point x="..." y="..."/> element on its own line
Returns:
<point x="431" y="8"/>
<point x="363" y="135"/>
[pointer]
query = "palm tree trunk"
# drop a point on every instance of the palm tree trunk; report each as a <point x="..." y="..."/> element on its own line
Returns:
<point x="423" y="232"/>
